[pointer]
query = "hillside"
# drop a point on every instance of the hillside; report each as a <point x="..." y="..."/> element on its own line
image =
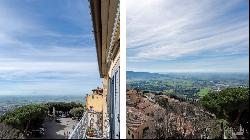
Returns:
<point x="186" y="85"/>
<point x="131" y="75"/>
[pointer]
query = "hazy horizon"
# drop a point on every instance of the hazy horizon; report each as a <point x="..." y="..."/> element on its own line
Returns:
<point x="41" y="94"/>
<point x="187" y="72"/>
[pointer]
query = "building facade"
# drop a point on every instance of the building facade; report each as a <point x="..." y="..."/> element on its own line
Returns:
<point x="137" y="124"/>
<point x="102" y="118"/>
<point x="94" y="101"/>
<point x="106" y="27"/>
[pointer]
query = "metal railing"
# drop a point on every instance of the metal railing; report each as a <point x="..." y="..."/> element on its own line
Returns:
<point x="79" y="131"/>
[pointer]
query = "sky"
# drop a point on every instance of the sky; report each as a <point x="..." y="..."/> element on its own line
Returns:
<point x="47" y="48"/>
<point x="188" y="35"/>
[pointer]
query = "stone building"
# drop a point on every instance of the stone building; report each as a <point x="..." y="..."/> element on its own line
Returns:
<point x="94" y="101"/>
<point x="132" y="98"/>
<point x="137" y="124"/>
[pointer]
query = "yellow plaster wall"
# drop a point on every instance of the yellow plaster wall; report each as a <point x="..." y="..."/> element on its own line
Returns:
<point x="96" y="101"/>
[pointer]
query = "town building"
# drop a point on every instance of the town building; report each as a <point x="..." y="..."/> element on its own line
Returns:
<point x="132" y="98"/>
<point x="106" y="27"/>
<point x="103" y="107"/>
<point x="137" y="124"/>
<point x="94" y="101"/>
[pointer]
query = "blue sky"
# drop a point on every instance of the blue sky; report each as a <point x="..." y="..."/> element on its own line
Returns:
<point x="188" y="36"/>
<point x="47" y="47"/>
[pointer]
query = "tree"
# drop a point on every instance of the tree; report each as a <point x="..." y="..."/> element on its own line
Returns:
<point x="77" y="112"/>
<point x="7" y="132"/>
<point x="25" y="118"/>
<point x="62" y="106"/>
<point x="231" y="104"/>
<point x="163" y="102"/>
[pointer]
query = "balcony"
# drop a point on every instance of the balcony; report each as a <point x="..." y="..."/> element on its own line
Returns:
<point x="89" y="127"/>
<point x="79" y="131"/>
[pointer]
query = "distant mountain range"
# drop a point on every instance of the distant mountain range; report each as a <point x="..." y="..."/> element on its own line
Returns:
<point x="142" y="75"/>
<point x="131" y="75"/>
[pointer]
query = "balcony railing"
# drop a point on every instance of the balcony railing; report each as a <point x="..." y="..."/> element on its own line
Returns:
<point x="79" y="131"/>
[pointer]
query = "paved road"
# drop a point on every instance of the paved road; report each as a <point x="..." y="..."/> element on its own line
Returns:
<point x="54" y="130"/>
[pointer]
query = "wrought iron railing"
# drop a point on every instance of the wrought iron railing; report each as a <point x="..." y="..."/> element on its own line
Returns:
<point x="79" y="131"/>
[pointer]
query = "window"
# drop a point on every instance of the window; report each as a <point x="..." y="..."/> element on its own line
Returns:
<point x="92" y="96"/>
<point x="128" y="132"/>
<point x="145" y="131"/>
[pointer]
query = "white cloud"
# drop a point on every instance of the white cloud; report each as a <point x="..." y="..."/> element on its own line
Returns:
<point x="217" y="64"/>
<point x="36" y="55"/>
<point x="84" y="67"/>
<point x="166" y="30"/>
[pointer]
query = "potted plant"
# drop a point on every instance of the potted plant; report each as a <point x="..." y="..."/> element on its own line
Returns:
<point x="90" y="132"/>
